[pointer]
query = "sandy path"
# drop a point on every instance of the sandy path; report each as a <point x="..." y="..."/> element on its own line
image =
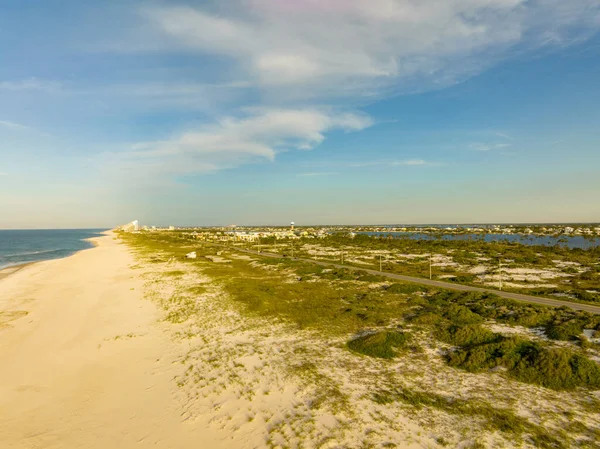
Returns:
<point x="89" y="366"/>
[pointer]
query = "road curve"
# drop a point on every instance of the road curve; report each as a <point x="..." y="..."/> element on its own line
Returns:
<point x="447" y="285"/>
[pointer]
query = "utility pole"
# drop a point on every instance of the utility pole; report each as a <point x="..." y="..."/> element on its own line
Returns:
<point x="342" y="257"/>
<point x="380" y="264"/>
<point x="292" y="250"/>
<point x="430" y="264"/>
<point x="500" y="272"/>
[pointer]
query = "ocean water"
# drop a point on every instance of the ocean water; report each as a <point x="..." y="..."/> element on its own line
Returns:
<point x="19" y="247"/>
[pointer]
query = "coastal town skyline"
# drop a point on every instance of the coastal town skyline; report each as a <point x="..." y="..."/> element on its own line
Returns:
<point x="250" y="112"/>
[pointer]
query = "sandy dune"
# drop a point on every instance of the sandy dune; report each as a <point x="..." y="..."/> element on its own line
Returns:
<point x="104" y="350"/>
<point x="84" y="362"/>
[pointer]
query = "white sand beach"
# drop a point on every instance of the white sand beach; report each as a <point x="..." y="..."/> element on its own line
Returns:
<point x="107" y="350"/>
<point x="71" y="373"/>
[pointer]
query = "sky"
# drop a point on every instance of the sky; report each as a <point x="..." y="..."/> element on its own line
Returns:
<point x="255" y="112"/>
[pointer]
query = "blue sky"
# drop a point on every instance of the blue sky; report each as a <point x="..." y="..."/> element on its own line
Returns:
<point x="267" y="111"/>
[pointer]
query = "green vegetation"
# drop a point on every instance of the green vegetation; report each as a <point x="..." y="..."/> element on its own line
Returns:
<point x="337" y="302"/>
<point x="384" y="345"/>
<point x="503" y="420"/>
<point x="456" y="319"/>
<point x="559" y="323"/>
<point x="577" y="270"/>
<point x="527" y="361"/>
<point x="313" y="303"/>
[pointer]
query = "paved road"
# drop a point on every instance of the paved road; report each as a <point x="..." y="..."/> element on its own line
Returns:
<point x="440" y="284"/>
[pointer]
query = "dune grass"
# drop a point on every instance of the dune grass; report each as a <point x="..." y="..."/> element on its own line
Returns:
<point x="384" y="345"/>
<point x="493" y="418"/>
<point x="341" y="302"/>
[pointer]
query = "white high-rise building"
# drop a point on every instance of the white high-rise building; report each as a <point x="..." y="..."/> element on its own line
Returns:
<point x="131" y="227"/>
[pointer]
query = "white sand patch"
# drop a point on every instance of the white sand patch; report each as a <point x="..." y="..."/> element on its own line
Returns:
<point x="537" y="333"/>
<point x="531" y="274"/>
<point x="440" y="260"/>
<point x="218" y="259"/>
<point x="565" y="264"/>
<point x="564" y="295"/>
<point x="411" y="256"/>
<point x="492" y="283"/>
<point x="360" y="261"/>
<point x="478" y="269"/>
<point x="590" y="335"/>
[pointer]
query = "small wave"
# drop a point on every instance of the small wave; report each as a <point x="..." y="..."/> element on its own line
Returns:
<point x="32" y="253"/>
<point x="9" y="265"/>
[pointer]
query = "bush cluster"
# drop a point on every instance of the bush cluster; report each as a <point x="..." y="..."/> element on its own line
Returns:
<point x="384" y="345"/>
<point x="528" y="361"/>
<point x="456" y="319"/>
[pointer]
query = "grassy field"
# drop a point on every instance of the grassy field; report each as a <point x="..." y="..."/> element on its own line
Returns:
<point x="552" y="271"/>
<point x="387" y="321"/>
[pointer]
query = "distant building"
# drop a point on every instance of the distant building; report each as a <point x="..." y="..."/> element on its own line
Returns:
<point x="134" y="226"/>
<point x="171" y="228"/>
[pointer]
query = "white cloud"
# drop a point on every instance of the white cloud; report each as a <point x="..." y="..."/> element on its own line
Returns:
<point x="313" y="174"/>
<point x="488" y="146"/>
<point x="354" y="47"/>
<point x="13" y="125"/>
<point x="233" y="142"/>
<point x="22" y="128"/>
<point x="410" y="162"/>
<point x="388" y="163"/>
<point x="504" y="135"/>
<point x="29" y="84"/>
<point x="3" y="173"/>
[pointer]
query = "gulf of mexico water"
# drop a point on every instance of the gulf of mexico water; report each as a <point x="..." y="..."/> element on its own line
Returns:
<point x="23" y="246"/>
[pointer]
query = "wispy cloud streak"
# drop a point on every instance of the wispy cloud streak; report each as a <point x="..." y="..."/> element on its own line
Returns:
<point x="31" y="84"/>
<point x="234" y="141"/>
<point x="15" y="126"/>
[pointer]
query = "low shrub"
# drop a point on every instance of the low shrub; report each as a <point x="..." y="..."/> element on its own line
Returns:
<point x="460" y="315"/>
<point x="527" y="361"/>
<point x="384" y="345"/>
<point x="465" y="335"/>
<point x="569" y="330"/>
